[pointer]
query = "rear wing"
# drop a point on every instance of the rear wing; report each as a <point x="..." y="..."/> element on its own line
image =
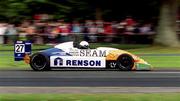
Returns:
<point x="21" y="49"/>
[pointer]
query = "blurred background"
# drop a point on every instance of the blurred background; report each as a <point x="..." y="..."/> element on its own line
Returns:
<point x="147" y="28"/>
<point x="122" y="22"/>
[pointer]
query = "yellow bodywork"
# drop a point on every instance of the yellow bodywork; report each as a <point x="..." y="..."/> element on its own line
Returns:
<point x="114" y="54"/>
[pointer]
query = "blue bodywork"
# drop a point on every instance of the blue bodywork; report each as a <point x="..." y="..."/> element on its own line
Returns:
<point x="21" y="48"/>
<point x="54" y="52"/>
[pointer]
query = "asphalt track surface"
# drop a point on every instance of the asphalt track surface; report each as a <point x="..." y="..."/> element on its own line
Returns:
<point x="87" y="78"/>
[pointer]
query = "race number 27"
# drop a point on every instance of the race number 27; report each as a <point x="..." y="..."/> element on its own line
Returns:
<point x="19" y="48"/>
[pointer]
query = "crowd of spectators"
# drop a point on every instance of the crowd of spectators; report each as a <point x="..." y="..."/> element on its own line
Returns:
<point x="60" y="31"/>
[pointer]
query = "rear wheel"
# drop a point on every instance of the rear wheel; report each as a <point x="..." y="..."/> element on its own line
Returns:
<point x="39" y="62"/>
<point x="125" y="62"/>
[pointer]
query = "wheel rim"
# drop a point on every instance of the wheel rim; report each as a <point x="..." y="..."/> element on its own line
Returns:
<point x="126" y="62"/>
<point x="39" y="62"/>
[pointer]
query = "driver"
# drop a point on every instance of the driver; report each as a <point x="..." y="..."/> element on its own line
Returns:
<point x="84" y="45"/>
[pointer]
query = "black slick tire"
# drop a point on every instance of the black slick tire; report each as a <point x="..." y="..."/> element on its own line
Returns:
<point x="125" y="62"/>
<point x="39" y="62"/>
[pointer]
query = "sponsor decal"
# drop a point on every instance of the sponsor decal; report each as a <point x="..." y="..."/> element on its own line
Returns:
<point x="112" y="64"/>
<point x="83" y="63"/>
<point x="74" y="52"/>
<point x="77" y="61"/>
<point x="87" y="52"/>
<point x="58" y="61"/>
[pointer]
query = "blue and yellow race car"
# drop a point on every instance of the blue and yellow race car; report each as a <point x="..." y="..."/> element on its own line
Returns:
<point x="71" y="55"/>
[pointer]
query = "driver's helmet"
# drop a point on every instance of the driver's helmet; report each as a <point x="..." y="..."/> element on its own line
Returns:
<point x="83" y="45"/>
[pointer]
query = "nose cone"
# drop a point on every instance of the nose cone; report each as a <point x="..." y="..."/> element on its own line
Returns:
<point x="143" y="66"/>
<point x="140" y="64"/>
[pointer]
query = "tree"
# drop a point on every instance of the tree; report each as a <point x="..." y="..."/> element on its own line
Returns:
<point x="75" y="9"/>
<point x="166" y="33"/>
<point x="88" y="8"/>
<point x="17" y="10"/>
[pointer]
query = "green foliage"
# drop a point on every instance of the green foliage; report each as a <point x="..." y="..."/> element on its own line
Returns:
<point x="17" y="10"/>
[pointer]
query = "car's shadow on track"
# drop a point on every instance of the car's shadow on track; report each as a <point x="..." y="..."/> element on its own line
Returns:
<point x="77" y="70"/>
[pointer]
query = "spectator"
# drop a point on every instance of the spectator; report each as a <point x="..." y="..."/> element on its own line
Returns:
<point x="121" y="27"/>
<point x="45" y="32"/>
<point x="86" y="32"/>
<point x="100" y="30"/>
<point x="55" y="34"/>
<point x="145" y="29"/>
<point x="114" y="27"/>
<point x="11" y="33"/>
<point x="100" y="26"/>
<point x="93" y="33"/>
<point x="108" y="31"/>
<point x="60" y="31"/>
<point x="99" y="23"/>
<point x="130" y="21"/>
<point x="64" y="32"/>
<point x="3" y="29"/>
<point x="129" y="24"/>
<point x="89" y="23"/>
<point x="136" y="28"/>
<point x="31" y="33"/>
<point x="76" y="28"/>
<point x="129" y="30"/>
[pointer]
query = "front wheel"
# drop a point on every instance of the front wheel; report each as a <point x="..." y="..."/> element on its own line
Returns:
<point x="39" y="62"/>
<point x="125" y="62"/>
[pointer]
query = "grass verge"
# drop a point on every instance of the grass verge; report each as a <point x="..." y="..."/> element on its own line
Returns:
<point x="34" y="47"/>
<point x="163" y="62"/>
<point x="91" y="97"/>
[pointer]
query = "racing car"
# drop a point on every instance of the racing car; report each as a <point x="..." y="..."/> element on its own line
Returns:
<point x="69" y="55"/>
